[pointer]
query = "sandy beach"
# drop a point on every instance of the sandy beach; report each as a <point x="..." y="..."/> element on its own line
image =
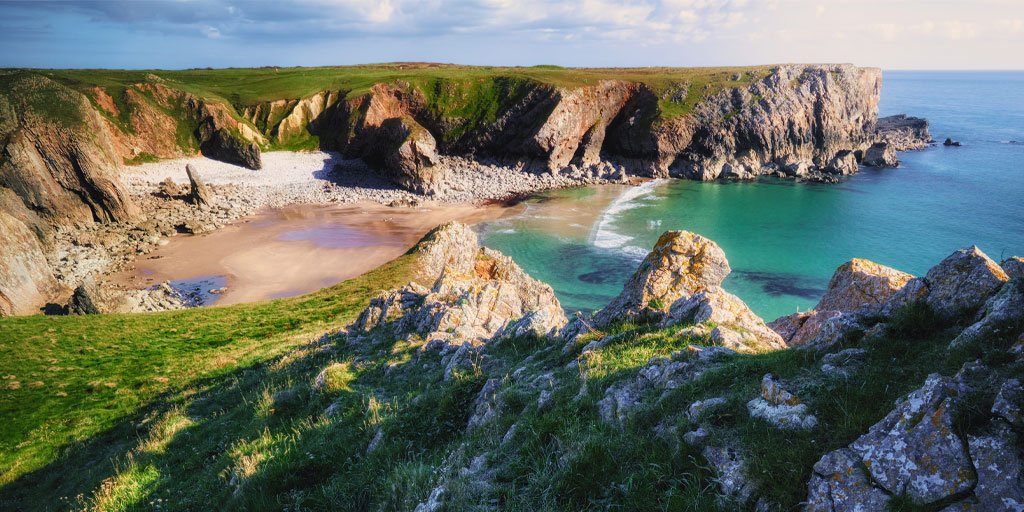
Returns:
<point x="297" y="249"/>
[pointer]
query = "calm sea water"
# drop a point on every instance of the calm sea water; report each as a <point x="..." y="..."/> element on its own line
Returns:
<point x="785" y="239"/>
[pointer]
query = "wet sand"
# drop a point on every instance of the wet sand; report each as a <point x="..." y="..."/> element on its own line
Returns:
<point x="298" y="249"/>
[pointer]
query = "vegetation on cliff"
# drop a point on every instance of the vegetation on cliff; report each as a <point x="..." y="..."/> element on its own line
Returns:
<point x="407" y="410"/>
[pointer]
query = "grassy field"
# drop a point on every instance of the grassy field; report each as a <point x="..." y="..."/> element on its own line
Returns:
<point x="67" y="380"/>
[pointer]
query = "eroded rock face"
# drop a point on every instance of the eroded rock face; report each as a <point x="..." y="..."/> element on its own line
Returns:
<point x="963" y="281"/>
<point x="857" y="287"/>
<point x="1003" y="314"/>
<point x="840" y="483"/>
<point x="65" y="172"/>
<point x="903" y="132"/>
<point x="880" y="154"/>
<point x="843" y="163"/>
<point x="26" y="282"/>
<point x="681" y="264"/>
<point x="1014" y="267"/>
<point x="738" y="328"/>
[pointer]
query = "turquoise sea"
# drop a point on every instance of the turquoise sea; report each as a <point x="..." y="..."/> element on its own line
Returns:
<point x="785" y="239"/>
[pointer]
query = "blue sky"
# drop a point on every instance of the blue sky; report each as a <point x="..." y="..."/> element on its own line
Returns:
<point x="893" y="34"/>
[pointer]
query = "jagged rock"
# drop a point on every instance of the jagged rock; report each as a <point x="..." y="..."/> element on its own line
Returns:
<point x="787" y="326"/>
<point x="83" y="300"/>
<point x="963" y="281"/>
<point x="485" y="407"/>
<point x="779" y="407"/>
<point x="858" y="283"/>
<point x="473" y="300"/>
<point x="1003" y="313"/>
<point x="997" y="461"/>
<point x="915" y="290"/>
<point x="199" y="192"/>
<point x="914" y="449"/>
<point x="26" y="281"/>
<point x="810" y="327"/>
<point x="66" y="172"/>
<point x="681" y="264"/>
<point x="840" y="483"/>
<point x="219" y="143"/>
<point x="880" y="154"/>
<point x="1014" y="267"/>
<point x="950" y="142"/>
<point x="169" y="189"/>
<point x="714" y="304"/>
<point x="1009" y="404"/>
<point x="413" y="164"/>
<point x="843" y="163"/>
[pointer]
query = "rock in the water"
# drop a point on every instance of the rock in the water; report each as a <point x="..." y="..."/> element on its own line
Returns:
<point x="843" y="163"/>
<point x="681" y="264"/>
<point x="963" y="282"/>
<point x="880" y="154"/>
<point x="199" y="192"/>
<point x="950" y="142"/>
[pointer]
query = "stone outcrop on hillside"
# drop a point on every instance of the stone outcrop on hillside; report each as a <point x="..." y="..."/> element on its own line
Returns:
<point x="858" y="285"/>
<point x="680" y="282"/>
<point x="477" y="296"/>
<point x="919" y="452"/>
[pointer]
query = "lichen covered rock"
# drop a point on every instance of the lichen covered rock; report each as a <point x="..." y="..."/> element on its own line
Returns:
<point x="963" y="281"/>
<point x="681" y="265"/>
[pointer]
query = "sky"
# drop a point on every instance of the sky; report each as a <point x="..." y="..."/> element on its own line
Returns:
<point x="175" y="34"/>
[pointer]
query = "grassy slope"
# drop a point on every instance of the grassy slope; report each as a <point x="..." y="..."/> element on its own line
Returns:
<point x="239" y="423"/>
<point x="69" y="379"/>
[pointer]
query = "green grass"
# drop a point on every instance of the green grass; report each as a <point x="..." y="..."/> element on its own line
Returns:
<point x="141" y="158"/>
<point x="68" y="379"/>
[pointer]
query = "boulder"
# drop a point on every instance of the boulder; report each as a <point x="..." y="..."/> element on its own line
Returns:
<point x="843" y="163"/>
<point x="169" y="189"/>
<point x="858" y="283"/>
<point x="413" y="162"/>
<point x="950" y="142"/>
<point x="787" y="326"/>
<point x="220" y="143"/>
<point x="880" y="154"/>
<point x="996" y="457"/>
<point x="1003" y="314"/>
<point x="840" y="483"/>
<point x="199" y="192"/>
<point x="681" y="264"/>
<point x="963" y="282"/>
<point x="475" y="299"/>
<point x="914" y="450"/>
<point x="84" y="300"/>
<point x="779" y="407"/>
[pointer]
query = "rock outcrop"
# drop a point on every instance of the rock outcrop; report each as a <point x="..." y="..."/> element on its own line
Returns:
<point x="473" y="301"/>
<point x="680" y="282"/>
<point x="919" y="452"/>
<point x="903" y="133"/>
<point x="880" y="154"/>
<point x="199" y="192"/>
<point x="26" y="281"/>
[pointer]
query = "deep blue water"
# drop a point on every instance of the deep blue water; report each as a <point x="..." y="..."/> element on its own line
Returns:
<point x="785" y="239"/>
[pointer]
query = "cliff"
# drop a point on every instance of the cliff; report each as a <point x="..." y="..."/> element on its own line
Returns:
<point x="65" y="135"/>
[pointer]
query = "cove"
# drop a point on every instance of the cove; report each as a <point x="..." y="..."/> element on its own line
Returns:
<point x="784" y="239"/>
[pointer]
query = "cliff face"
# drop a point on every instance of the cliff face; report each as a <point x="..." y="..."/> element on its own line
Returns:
<point x="792" y="120"/>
